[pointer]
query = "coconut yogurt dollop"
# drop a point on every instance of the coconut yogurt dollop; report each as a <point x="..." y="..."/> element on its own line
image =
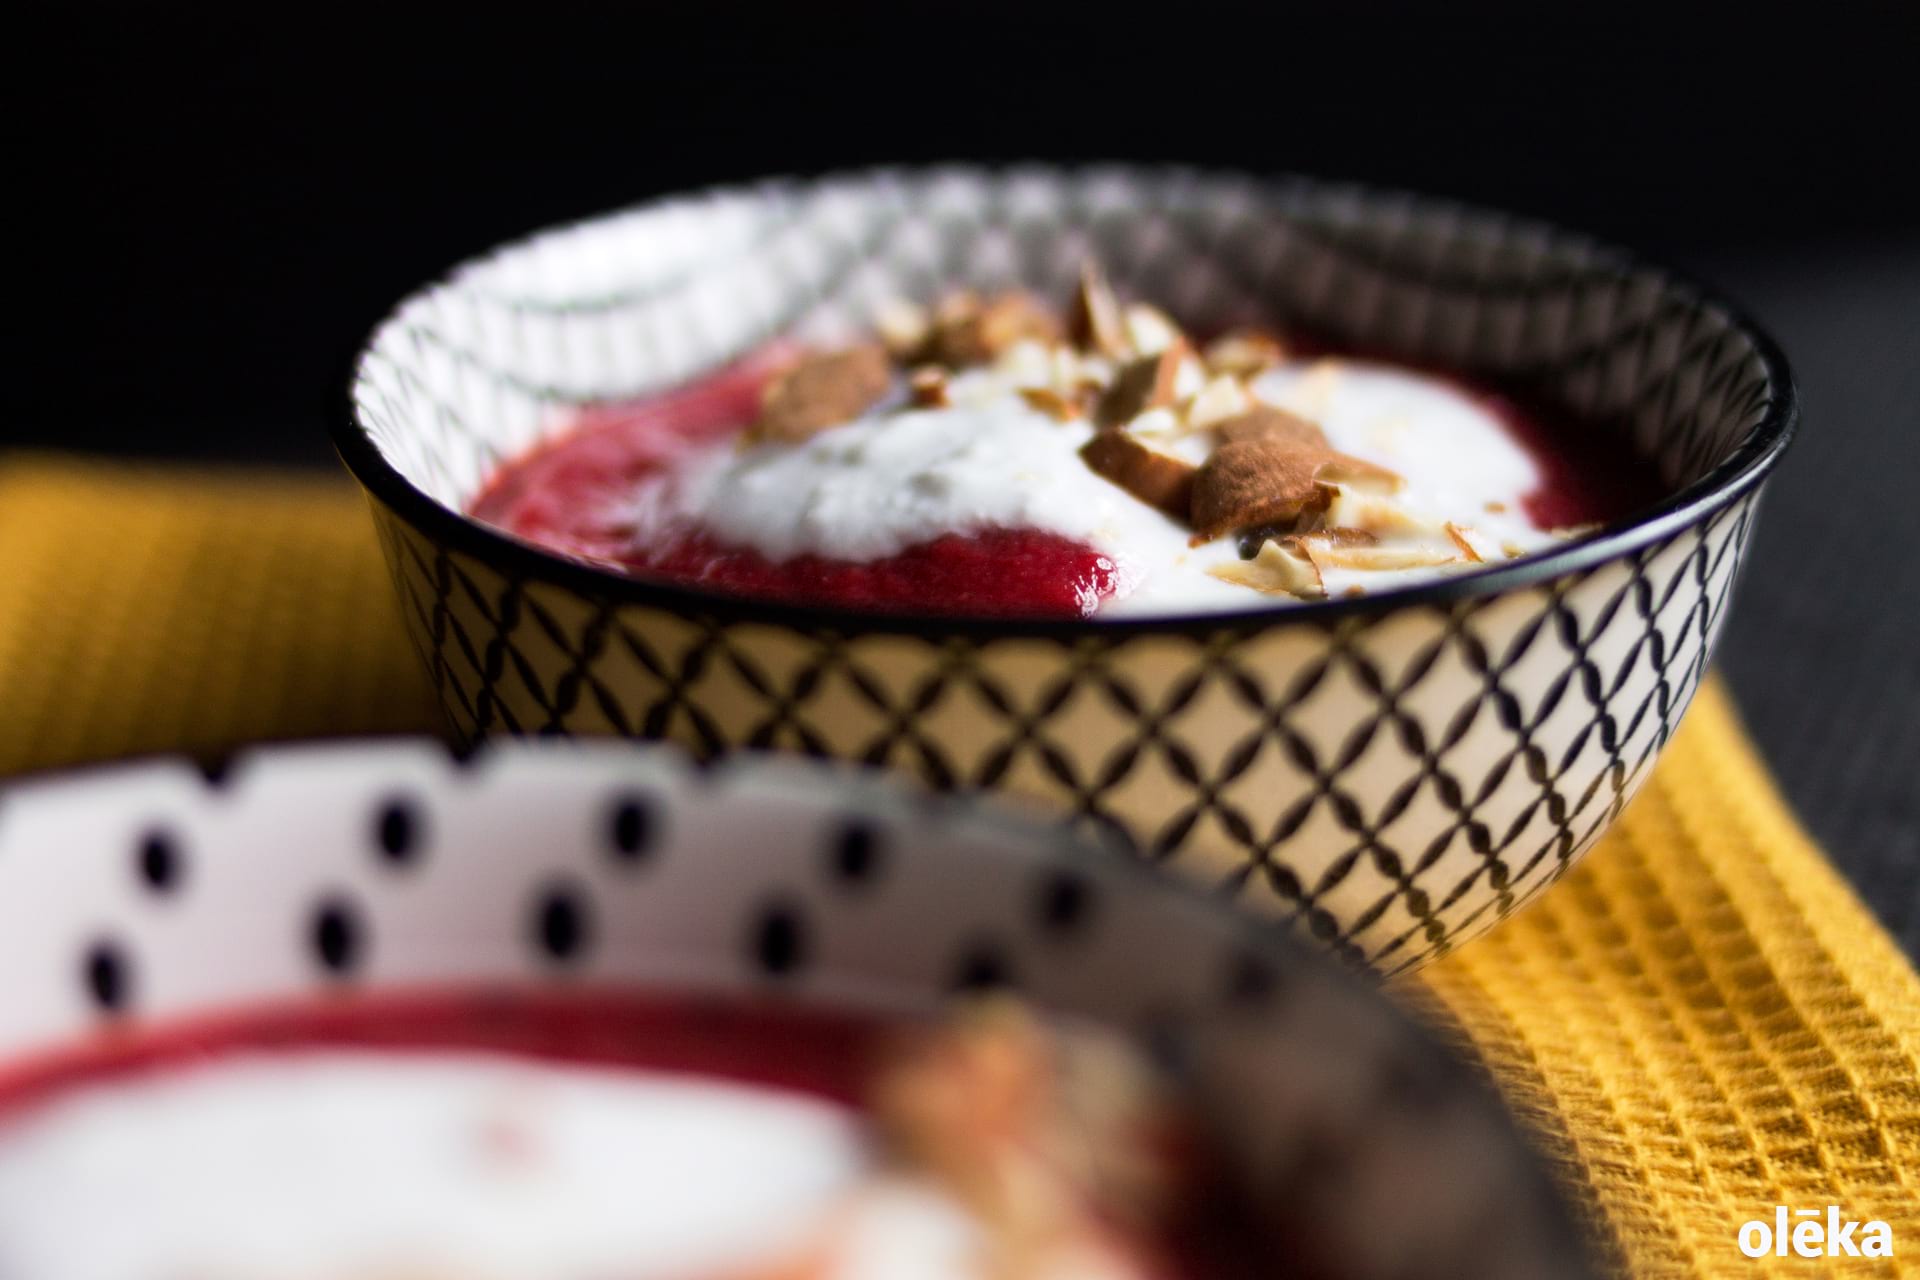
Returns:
<point x="898" y="477"/>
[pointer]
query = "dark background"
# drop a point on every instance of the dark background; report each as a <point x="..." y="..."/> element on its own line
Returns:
<point x="208" y="208"/>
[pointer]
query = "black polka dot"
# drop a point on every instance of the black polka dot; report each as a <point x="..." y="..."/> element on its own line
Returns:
<point x="982" y="967"/>
<point x="108" y="975"/>
<point x="779" y="940"/>
<point x="1066" y="902"/>
<point x="562" y="928"/>
<point x="397" y="832"/>
<point x="216" y="769"/>
<point x="337" y="936"/>
<point x="857" y="855"/>
<point x="633" y="830"/>
<point x="161" y="864"/>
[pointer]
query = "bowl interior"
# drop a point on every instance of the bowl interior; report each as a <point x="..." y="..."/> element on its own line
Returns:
<point x="475" y="369"/>
<point x="391" y="868"/>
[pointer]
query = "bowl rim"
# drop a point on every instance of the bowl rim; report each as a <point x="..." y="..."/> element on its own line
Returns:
<point x="1754" y="459"/>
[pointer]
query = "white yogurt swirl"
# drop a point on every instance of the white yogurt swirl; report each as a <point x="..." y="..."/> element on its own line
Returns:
<point x="897" y="477"/>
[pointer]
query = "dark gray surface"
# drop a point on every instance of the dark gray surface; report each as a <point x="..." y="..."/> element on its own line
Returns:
<point x="1823" y="648"/>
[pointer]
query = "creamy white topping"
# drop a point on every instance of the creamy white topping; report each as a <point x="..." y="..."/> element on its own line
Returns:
<point x="897" y="477"/>
<point x="337" y="1165"/>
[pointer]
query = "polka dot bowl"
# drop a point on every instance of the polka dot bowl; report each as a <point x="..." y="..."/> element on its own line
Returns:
<point x="137" y="896"/>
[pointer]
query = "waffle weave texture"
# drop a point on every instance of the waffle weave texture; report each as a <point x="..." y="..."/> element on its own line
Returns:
<point x="1700" y="1023"/>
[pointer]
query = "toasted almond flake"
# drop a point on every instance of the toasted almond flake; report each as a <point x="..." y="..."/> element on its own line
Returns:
<point x="1340" y="536"/>
<point x="1275" y="570"/>
<point x="1256" y="483"/>
<point x="1157" y="422"/>
<point x="1265" y="422"/>
<point x="1379" y="515"/>
<point x="903" y="327"/>
<point x="1381" y="557"/>
<point x="1512" y="550"/>
<point x="1051" y="403"/>
<point x="1189" y="376"/>
<point x="1496" y="508"/>
<point x="1026" y="363"/>
<point x="1066" y="373"/>
<point x="1151" y="330"/>
<point x="1157" y="479"/>
<point x="1357" y="473"/>
<point x="1354" y="591"/>
<point x="927" y="386"/>
<point x="1244" y="353"/>
<point x="1140" y="385"/>
<point x="1220" y="400"/>
<point x="1096" y="322"/>
<point x="967" y="331"/>
<point x="1478" y="547"/>
<point x="1314" y="390"/>
<point x="821" y="390"/>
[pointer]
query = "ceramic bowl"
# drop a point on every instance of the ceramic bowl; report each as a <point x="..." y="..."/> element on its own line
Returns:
<point x="140" y="897"/>
<point x="1394" y="773"/>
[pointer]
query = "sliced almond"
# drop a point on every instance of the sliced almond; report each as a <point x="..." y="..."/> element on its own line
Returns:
<point x="1027" y="363"/>
<point x="1338" y="536"/>
<point x="1381" y="557"/>
<point x="1150" y="330"/>
<point x="967" y="331"/>
<point x="1458" y="537"/>
<point x="1190" y="376"/>
<point x="1358" y="473"/>
<point x="1244" y="353"/>
<point x="1275" y="569"/>
<point x="1051" y="403"/>
<point x="927" y="386"/>
<point x="903" y="327"/>
<point x="1149" y="382"/>
<point x="1161" y="422"/>
<point x="1157" y="479"/>
<point x="1220" y="400"/>
<point x="1265" y="422"/>
<point x="1097" y="323"/>
<point x="1256" y="482"/>
<point x="1379" y="515"/>
<point x="822" y="390"/>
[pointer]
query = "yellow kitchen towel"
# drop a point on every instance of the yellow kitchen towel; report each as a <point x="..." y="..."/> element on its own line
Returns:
<point x="1700" y="1024"/>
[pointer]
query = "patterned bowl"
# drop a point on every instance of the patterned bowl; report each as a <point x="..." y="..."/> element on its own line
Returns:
<point x="1395" y="773"/>
<point x="149" y="897"/>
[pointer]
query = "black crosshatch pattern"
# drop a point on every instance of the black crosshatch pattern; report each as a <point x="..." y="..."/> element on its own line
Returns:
<point x="1394" y="778"/>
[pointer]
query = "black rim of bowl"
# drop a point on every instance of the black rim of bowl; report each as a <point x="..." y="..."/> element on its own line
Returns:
<point x="1750" y="463"/>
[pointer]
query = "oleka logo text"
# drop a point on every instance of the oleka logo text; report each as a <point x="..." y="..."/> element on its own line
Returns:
<point x="1806" y="1234"/>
